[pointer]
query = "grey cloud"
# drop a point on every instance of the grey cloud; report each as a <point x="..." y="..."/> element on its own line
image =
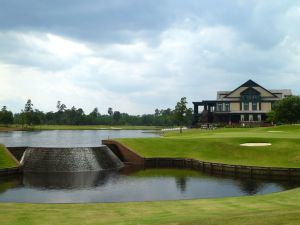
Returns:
<point x="98" y="21"/>
<point x="123" y="21"/>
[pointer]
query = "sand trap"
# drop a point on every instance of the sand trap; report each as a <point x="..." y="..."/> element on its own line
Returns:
<point x="255" y="144"/>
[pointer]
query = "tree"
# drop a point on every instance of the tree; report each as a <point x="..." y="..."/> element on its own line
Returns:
<point x="58" y="105"/>
<point x="28" y="106"/>
<point x="181" y="112"/>
<point x="95" y="113"/>
<point x="62" y="107"/>
<point x="157" y="112"/>
<point x="6" y="117"/>
<point x="110" y="111"/>
<point x="27" y="113"/>
<point x="286" y="110"/>
<point x="116" y="117"/>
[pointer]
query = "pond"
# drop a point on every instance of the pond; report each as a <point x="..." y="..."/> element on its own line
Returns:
<point x="66" y="138"/>
<point x="127" y="184"/>
<point x="130" y="185"/>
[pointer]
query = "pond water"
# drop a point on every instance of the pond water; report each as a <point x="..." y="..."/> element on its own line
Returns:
<point x="66" y="138"/>
<point x="128" y="184"/>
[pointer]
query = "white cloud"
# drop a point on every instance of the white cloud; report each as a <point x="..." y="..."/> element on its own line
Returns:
<point x="190" y="57"/>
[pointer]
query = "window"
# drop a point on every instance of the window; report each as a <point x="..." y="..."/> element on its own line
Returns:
<point x="227" y="107"/>
<point x="258" y="117"/>
<point x="242" y="118"/>
<point x="246" y="117"/>
<point x="246" y="106"/>
<point x="255" y="117"/>
<point x="254" y="106"/>
<point x="255" y="98"/>
<point x="250" y="96"/>
<point x="219" y="107"/>
<point x="250" y="117"/>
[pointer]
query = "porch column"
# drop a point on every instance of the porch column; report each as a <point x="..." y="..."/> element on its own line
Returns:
<point x="195" y="108"/>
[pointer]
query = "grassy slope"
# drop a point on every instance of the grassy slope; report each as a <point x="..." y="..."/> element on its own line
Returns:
<point x="278" y="208"/>
<point x="223" y="146"/>
<point x="5" y="160"/>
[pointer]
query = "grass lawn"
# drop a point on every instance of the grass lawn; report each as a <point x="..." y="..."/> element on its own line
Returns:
<point x="78" y="127"/>
<point x="223" y="145"/>
<point x="5" y="160"/>
<point x="276" y="209"/>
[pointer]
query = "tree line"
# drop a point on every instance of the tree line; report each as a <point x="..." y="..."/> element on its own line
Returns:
<point x="286" y="111"/>
<point x="29" y="116"/>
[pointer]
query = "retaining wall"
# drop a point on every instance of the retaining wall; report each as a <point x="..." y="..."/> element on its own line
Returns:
<point x="125" y="154"/>
<point x="10" y="171"/>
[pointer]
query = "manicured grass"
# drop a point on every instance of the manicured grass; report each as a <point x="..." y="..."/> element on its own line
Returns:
<point x="223" y="146"/>
<point x="5" y="160"/>
<point x="78" y="127"/>
<point x="219" y="145"/>
<point x="276" y="209"/>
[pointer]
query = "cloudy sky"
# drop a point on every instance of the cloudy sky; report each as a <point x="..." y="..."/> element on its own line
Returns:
<point x="138" y="55"/>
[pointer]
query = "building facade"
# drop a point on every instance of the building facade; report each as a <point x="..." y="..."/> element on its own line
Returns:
<point x="249" y="103"/>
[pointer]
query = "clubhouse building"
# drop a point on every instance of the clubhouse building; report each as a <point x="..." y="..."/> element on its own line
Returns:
<point x="249" y="103"/>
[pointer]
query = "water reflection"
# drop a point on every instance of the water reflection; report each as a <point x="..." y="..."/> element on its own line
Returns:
<point x="181" y="183"/>
<point x="130" y="184"/>
<point x="61" y="181"/>
<point x="250" y="186"/>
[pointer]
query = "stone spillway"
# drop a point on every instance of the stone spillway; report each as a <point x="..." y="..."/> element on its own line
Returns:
<point x="77" y="159"/>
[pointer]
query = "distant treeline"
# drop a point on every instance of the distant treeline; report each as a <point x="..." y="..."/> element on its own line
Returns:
<point x="76" y="116"/>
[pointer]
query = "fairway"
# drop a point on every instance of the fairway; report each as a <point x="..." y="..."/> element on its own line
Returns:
<point x="223" y="146"/>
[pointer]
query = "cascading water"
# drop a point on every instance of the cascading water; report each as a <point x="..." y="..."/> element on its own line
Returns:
<point x="79" y="159"/>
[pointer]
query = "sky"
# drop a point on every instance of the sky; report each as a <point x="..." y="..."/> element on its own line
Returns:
<point x="139" y="55"/>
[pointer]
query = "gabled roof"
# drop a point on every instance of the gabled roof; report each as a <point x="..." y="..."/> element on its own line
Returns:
<point x="251" y="83"/>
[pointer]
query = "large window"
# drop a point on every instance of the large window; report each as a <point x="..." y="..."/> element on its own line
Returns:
<point x="250" y="96"/>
